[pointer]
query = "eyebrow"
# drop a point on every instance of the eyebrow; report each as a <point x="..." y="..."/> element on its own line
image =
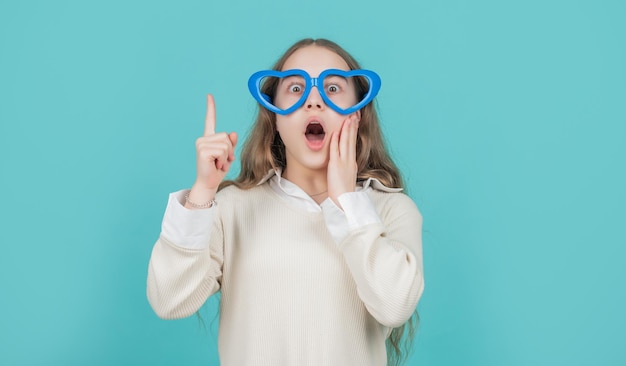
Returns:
<point x="332" y="76"/>
<point x="290" y="77"/>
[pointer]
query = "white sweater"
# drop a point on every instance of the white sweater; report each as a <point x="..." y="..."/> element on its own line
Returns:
<point x="290" y="294"/>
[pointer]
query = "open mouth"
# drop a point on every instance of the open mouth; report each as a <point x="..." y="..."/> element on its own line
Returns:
<point x="314" y="132"/>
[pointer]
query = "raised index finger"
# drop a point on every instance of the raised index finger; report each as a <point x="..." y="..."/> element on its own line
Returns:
<point x="209" y="122"/>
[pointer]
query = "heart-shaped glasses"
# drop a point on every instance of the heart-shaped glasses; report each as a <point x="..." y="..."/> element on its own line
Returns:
<point x="343" y="91"/>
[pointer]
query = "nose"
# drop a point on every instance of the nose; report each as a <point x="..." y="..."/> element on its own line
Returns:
<point x="314" y="100"/>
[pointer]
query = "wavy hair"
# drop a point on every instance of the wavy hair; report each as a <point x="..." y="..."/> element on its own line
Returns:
<point x="264" y="150"/>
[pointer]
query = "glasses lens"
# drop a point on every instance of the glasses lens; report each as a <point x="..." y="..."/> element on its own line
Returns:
<point x="345" y="92"/>
<point x="287" y="90"/>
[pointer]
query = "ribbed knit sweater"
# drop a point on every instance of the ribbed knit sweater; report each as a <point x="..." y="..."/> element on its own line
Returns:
<point x="290" y="294"/>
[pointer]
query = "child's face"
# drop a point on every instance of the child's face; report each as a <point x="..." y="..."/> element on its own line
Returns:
<point x="306" y="132"/>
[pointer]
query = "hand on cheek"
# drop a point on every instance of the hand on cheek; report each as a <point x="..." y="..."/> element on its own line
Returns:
<point x="342" y="166"/>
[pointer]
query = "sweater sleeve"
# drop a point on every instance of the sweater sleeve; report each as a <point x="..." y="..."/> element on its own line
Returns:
<point x="385" y="260"/>
<point x="359" y="212"/>
<point x="181" y="279"/>
<point x="187" y="228"/>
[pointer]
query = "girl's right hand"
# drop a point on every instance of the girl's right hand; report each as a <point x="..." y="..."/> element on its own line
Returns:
<point x="215" y="153"/>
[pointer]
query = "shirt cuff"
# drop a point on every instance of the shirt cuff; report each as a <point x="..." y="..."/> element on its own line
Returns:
<point x="186" y="228"/>
<point x="358" y="211"/>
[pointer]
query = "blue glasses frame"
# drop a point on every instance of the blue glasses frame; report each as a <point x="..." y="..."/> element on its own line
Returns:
<point x="254" y="85"/>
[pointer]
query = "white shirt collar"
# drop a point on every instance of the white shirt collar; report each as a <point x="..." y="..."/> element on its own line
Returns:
<point x="286" y="185"/>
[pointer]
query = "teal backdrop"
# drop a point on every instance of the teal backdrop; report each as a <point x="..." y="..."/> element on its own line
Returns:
<point x="508" y="119"/>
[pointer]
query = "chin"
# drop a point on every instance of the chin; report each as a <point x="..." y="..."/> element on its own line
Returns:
<point x="316" y="164"/>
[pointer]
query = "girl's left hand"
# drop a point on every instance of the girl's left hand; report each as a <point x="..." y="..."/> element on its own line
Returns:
<point x="342" y="166"/>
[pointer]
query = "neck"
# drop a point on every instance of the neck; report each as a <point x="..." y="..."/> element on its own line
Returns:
<point x="312" y="182"/>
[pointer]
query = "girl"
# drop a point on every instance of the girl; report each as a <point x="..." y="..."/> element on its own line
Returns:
<point x="317" y="255"/>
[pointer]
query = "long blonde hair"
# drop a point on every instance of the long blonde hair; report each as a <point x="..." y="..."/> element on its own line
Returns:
<point x="264" y="150"/>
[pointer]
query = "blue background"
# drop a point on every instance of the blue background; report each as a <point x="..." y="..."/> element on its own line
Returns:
<point x="507" y="117"/>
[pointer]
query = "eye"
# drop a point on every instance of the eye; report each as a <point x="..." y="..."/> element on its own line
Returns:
<point x="295" y="88"/>
<point x="333" y="88"/>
